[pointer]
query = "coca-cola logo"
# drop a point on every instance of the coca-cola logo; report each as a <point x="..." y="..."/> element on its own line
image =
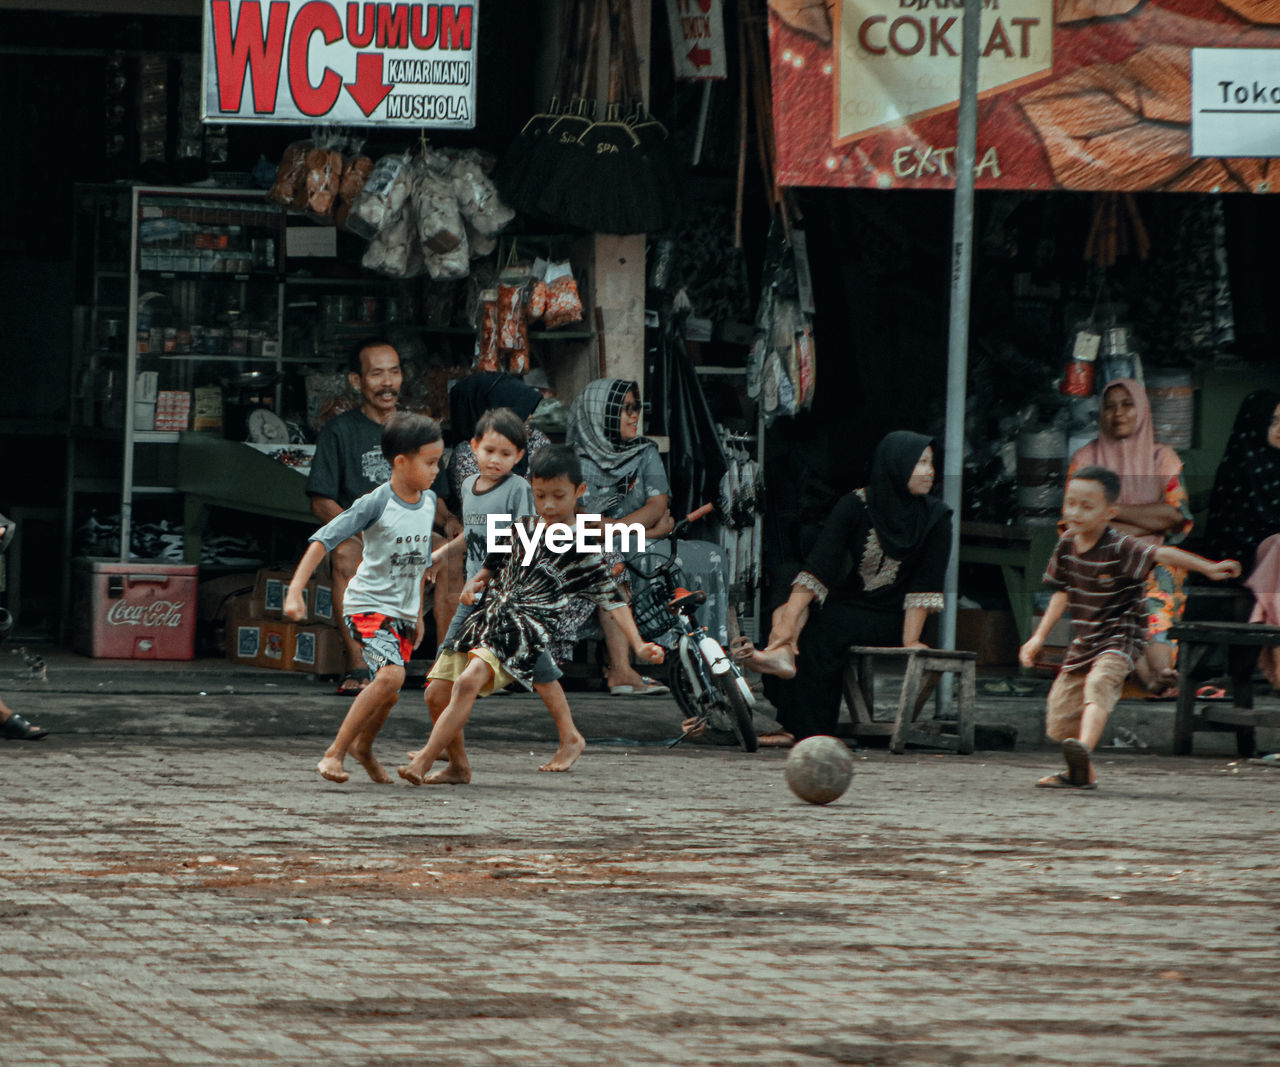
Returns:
<point x="158" y="613"/>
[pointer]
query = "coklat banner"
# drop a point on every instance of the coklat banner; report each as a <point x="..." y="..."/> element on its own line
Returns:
<point x="1073" y="94"/>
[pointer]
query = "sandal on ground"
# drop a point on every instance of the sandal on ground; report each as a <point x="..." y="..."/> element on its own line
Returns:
<point x="1079" y="766"/>
<point x="777" y="739"/>
<point x="16" y="728"/>
<point x="650" y="688"/>
<point x="1061" y="781"/>
<point x="1211" y="692"/>
<point x="353" y="682"/>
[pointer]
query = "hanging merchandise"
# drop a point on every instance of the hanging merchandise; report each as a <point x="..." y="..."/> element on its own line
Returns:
<point x="382" y="196"/>
<point x="564" y="305"/>
<point x="782" y="364"/>
<point x="679" y="409"/>
<point x="487" y="343"/>
<point x="321" y="176"/>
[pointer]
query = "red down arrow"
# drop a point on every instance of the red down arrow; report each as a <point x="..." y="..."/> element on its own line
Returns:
<point x="700" y="57"/>
<point x="368" y="90"/>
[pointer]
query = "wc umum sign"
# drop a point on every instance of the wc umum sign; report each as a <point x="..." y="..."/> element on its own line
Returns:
<point x="324" y="61"/>
<point x="1073" y="94"/>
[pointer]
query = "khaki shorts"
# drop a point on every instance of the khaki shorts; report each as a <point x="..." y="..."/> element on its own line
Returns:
<point x="1101" y="684"/>
<point x="449" y="666"/>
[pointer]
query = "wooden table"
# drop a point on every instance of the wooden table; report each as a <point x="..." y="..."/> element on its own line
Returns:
<point x="1240" y="641"/>
<point x="213" y="472"/>
<point x="1021" y="553"/>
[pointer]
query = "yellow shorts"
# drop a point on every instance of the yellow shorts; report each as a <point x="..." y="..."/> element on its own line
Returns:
<point x="1101" y="683"/>
<point x="449" y="666"/>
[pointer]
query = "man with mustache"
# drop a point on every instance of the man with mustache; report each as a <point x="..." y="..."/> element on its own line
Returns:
<point x="349" y="463"/>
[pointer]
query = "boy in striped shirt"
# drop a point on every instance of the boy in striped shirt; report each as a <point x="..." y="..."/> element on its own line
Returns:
<point x="1098" y="575"/>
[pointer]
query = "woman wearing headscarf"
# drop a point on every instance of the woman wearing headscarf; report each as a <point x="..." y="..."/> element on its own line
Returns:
<point x="875" y="573"/>
<point x="1153" y="507"/>
<point x="626" y="483"/>
<point x="1244" y="511"/>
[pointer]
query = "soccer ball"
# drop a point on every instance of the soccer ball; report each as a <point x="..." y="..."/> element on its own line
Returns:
<point x="819" y="769"/>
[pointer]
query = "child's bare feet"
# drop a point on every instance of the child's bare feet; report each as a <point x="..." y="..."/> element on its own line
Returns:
<point x="410" y="775"/>
<point x="331" y="767"/>
<point x="450" y="775"/>
<point x="413" y="755"/>
<point x="375" y="770"/>
<point x="566" y="755"/>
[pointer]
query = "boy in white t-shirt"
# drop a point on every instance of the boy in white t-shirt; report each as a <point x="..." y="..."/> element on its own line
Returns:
<point x="383" y="604"/>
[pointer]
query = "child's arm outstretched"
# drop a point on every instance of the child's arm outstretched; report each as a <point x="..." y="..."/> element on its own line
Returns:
<point x="1177" y="557"/>
<point x="645" y="650"/>
<point x="1057" y="605"/>
<point x="472" y="590"/>
<point x="294" y="606"/>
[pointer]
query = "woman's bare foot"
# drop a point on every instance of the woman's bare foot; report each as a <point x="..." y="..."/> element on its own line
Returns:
<point x="566" y="755"/>
<point x="777" y="661"/>
<point x="331" y="767"/>
<point x="374" y="769"/>
<point x="450" y="775"/>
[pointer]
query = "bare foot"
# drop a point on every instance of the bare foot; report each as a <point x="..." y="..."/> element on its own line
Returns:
<point x="779" y="661"/>
<point x="331" y="767"/>
<point x="566" y="755"/>
<point x="375" y="769"/>
<point x="1166" y="679"/>
<point x="413" y="755"/>
<point x="409" y="775"/>
<point x="451" y="775"/>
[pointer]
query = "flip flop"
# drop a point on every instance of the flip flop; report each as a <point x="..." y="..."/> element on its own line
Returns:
<point x="1078" y="763"/>
<point x="1211" y="692"/>
<point x="16" y="728"/>
<point x="1061" y="781"/>
<point x="779" y="739"/>
<point x="649" y="689"/>
<point x="353" y="683"/>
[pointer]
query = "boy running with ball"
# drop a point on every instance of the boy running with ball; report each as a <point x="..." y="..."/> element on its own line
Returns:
<point x="1098" y="576"/>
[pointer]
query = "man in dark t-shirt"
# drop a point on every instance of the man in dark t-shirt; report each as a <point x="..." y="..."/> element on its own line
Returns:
<point x="349" y="463"/>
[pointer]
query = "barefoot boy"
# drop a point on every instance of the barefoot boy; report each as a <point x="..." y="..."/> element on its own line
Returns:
<point x="498" y="446"/>
<point x="1098" y="575"/>
<point x="525" y="591"/>
<point x="383" y="605"/>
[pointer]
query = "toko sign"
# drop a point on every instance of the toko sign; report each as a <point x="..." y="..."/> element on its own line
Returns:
<point x="324" y="61"/>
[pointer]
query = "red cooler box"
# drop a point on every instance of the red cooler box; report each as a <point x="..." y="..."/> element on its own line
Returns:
<point x="134" y="610"/>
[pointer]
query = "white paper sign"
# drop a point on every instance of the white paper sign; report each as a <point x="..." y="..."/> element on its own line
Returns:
<point x="697" y="39"/>
<point x="326" y="61"/>
<point x="1235" y="102"/>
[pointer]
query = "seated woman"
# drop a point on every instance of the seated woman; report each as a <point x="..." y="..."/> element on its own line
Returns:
<point x="1244" y="510"/>
<point x="625" y="482"/>
<point x="876" y="572"/>
<point x="1153" y="507"/>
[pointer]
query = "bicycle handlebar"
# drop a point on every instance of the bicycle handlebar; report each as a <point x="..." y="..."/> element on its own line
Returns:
<point x="674" y="536"/>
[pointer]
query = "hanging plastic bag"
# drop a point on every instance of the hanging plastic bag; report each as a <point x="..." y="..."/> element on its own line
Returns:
<point x="487" y="352"/>
<point x="436" y="209"/>
<point x="476" y="195"/>
<point x="564" y="305"/>
<point x="382" y="197"/>
<point x="290" y="186"/>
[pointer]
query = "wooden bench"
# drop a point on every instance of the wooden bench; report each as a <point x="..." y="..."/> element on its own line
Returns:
<point x="1240" y="642"/>
<point x="924" y="666"/>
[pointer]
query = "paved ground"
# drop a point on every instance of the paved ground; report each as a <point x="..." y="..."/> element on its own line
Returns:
<point x="177" y="885"/>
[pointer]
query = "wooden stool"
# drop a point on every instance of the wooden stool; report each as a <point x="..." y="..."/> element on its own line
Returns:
<point x="924" y="667"/>
<point x="1240" y="640"/>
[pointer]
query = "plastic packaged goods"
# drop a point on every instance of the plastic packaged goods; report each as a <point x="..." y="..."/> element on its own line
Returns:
<point x="564" y="305"/>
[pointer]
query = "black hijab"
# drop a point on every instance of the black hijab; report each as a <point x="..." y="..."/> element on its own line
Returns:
<point x="1244" y="509"/>
<point x="478" y="393"/>
<point x="901" y="519"/>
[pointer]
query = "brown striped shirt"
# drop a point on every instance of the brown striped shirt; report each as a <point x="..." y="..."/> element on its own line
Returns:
<point x="1104" y="588"/>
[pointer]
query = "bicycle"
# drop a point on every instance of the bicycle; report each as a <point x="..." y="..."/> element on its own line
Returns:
<point x="706" y="683"/>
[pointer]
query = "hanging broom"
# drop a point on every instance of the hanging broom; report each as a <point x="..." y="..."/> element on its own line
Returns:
<point x="655" y="143"/>
<point x="517" y="175"/>
<point x="543" y="142"/>
<point x="608" y="187"/>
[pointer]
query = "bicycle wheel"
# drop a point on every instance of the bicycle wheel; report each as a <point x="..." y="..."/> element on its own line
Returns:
<point x="739" y="710"/>
<point x="682" y="688"/>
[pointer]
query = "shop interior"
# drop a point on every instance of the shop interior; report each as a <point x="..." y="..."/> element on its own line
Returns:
<point x="1184" y="279"/>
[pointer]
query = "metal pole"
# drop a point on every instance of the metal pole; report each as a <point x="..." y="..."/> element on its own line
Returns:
<point x="958" y="339"/>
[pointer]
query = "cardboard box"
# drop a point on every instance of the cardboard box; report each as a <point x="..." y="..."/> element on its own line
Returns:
<point x="272" y="584"/>
<point x="218" y="597"/>
<point x="283" y="645"/>
<point x="993" y="635"/>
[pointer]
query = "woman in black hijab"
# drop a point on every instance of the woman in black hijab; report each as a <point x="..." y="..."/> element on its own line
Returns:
<point x="1244" y="509"/>
<point x="876" y="572"/>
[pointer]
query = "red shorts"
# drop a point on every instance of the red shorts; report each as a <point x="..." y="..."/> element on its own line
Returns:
<point x="383" y="640"/>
